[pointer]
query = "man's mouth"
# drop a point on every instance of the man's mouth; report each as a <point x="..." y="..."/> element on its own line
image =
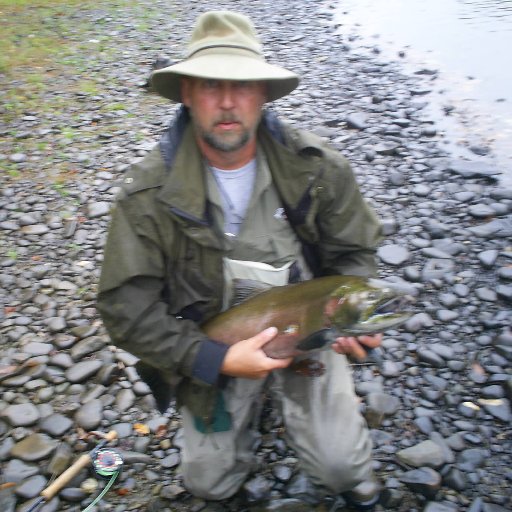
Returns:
<point x="227" y="125"/>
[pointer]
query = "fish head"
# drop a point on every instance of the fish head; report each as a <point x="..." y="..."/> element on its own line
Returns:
<point x="367" y="306"/>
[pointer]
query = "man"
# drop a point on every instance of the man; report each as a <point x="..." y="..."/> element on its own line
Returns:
<point x="231" y="191"/>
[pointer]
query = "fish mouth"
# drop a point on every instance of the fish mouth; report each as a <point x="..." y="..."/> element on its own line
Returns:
<point x="392" y="305"/>
<point x="389" y="313"/>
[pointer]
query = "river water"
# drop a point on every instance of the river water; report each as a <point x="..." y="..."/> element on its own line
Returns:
<point x="469" y="44"/>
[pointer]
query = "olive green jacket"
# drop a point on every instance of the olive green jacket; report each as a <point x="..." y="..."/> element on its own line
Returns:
<point x="162" y="270"/>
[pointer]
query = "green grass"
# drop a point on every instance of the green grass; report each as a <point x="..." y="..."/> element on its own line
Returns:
<point x="45" y="40"/>
<point x="52" y="54"/>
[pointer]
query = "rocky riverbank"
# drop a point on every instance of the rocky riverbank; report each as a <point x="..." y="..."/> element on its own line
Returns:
<point x="438" y="406"/>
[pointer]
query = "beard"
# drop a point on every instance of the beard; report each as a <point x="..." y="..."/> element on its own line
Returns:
<point x="227" y="142"/>
<point x="224" y="141"/>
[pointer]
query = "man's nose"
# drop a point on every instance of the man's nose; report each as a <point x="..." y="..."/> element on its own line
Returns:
<point x="227" y="98"/>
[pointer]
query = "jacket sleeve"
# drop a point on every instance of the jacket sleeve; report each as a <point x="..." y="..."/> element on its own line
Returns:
<point x="131" y="304"/>
<point x="349" y="229"/>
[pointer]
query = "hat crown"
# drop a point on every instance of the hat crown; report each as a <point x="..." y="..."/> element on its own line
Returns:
<point x="216" y="29"/>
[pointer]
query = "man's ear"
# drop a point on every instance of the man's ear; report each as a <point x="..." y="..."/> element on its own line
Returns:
<point x="185" y="90"/>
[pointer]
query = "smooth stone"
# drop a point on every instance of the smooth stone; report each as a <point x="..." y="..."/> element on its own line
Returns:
<point x="433" y="506"/>
<point x="380" y="405"/>
<point x="498" y="407"/>
<point x="83" y="370"/>
<point x="436" y="268"/>
<point x="447" y="315"/>
<point x="38" y="349"/>
<point x="171" y="461"/>
<point x="35" y="229"/>
<point x="424" y="480"/>
<point x="86" y="346"/>
<point x="34" y="448"/>
<point x="358" y="121"/>
<point x="257" y="489"/>
<point x="125" y="399"/>
<point x="55" y="425"/>
<point x="393" y="254"/>
<point x="98" y="209"/>
<point x="418" y="321"/>
<point x="89" y="415"/>
<point x="16" y="471"/>
<point x="486" y="294"/>
<point x="57" y="324"/>
<point x="426" y="453"/>
<point x="21" y="415"/>
<point x="31" y="487"/>
<point x="428" y="356"/>
<point x="481" y="211"/>
<point x="505" y="273"/>
<point x="473" y="457"/>
<point x="488" y="258"/>
<point x="456" y="479"/>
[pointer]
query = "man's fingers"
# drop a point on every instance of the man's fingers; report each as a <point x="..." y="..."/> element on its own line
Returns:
<point x="371" y="341"/>
<point x="355" y="347"/>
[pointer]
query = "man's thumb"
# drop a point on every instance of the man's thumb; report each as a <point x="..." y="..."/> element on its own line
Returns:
<point x="264" y="336"/>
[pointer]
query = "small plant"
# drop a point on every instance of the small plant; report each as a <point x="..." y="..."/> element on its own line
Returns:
<point x="60" y="188"/>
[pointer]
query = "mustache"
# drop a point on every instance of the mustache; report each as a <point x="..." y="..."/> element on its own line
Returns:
<point x="227" y="118"/>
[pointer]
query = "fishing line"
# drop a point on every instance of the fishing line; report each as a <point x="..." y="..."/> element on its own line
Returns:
<point x="107" y="464"/>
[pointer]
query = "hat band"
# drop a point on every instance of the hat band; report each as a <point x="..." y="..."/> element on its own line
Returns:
<point x="234" y="46"/>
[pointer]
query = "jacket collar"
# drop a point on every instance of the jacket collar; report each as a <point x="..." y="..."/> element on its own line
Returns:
<point x="289" y="159"/>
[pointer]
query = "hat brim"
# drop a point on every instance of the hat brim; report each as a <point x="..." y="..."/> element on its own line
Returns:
<point x="280" y="81"/>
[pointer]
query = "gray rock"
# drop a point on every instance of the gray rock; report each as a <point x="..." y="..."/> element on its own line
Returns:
<point x="425" y="481"/>
<point x="55" y="425"/>
<point x="426" y="453"/>
<point x="31" y="487"/>
<point x="16" y="471"/>
<point x="393" y="254"/>
<point x="90" y="415"/>
<point x="98" y="209"/>
<point x="83" y="370"/>
<point x="33" y="448"/>
<point x="21" y="415"/>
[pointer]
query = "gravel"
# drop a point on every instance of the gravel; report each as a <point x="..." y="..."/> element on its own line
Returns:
<point x="438" y="406"/>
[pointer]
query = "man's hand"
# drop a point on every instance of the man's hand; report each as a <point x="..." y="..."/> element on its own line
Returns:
<point x="355" y="347"/>
<point x="246" y="358"/>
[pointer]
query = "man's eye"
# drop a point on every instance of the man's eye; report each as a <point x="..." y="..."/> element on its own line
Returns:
<point x="211" y="84"/>
<point x="244" y="84"/>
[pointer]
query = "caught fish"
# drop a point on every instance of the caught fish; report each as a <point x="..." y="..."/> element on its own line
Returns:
<point x="310" y="315"/>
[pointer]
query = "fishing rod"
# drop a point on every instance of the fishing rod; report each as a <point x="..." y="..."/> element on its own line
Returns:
<point x="106" y="463"/>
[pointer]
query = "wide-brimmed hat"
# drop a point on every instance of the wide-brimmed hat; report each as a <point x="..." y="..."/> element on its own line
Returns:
<point x="224" y="46"/>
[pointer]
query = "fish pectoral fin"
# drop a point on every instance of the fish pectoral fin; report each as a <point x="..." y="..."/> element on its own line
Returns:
<point x="317" y="340"/>
<point x="245" y="289"/>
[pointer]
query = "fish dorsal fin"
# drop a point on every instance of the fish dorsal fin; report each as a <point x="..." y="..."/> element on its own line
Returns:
<point x="245" y="289"/>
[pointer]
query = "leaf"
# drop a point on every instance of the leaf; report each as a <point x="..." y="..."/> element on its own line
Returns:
<point x="161" y="431"/>
<point x="141" y="428"/>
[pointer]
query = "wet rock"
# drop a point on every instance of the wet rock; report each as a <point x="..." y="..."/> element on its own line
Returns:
<point x="90" y="414"/>
<point x="31" y="487"/>
<point x="83" y="370"/>
<point x="380" y="405"/>
<point x="393" y="254"/>
<point x="257" y="489"/>
<point x="425" y="481"/>
<point x="34" y="448"/>
<point x="426" y="453"/>
<point x="21" y="414"/>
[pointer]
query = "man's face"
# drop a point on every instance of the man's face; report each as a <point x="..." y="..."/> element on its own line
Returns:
<point x="225" y="113"/>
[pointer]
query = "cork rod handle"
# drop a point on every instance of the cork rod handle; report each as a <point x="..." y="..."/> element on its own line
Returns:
<point x="82" y="462"/>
